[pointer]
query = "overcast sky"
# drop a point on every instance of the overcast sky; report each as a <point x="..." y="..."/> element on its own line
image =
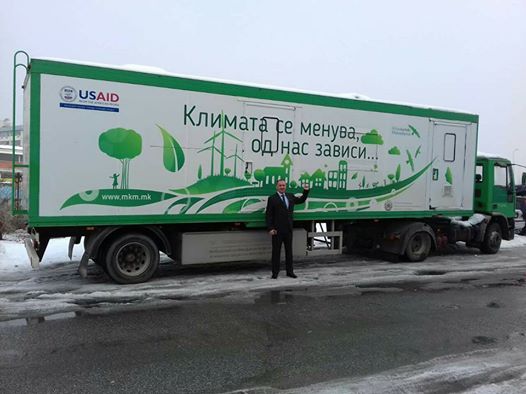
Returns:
<point x="468" y="55"/>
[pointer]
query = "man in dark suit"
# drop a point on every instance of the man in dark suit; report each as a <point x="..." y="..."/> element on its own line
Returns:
<point x="280" y="207"/>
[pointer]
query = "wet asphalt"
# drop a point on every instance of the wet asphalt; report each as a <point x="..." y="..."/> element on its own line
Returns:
<point x="282" y="338"/>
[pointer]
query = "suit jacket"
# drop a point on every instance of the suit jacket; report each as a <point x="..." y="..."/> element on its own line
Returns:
<point x="278" y="216"/>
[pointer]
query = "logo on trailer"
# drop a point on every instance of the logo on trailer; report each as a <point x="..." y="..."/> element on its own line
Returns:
<point x="87" y="99"/>
<point x="68" y="93"/>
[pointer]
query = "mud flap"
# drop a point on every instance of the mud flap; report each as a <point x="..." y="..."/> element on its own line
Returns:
<point x="83" y="266"/>
<point x="72" y="242"/>
<point x="32" y="254"/>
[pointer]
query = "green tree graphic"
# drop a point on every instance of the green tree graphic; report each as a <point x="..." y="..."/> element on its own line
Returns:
<point x="259" y="175"/>
<point x="123" y="145"/>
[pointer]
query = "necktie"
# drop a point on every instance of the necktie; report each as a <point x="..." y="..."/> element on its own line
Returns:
<point x="284" y="200"/>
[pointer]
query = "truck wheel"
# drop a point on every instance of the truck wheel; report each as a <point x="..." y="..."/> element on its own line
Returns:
<point x="418" y="246"/>
<point x="100" y="260"/>
<point x="492" y="239"/>
<point x="132" y="258"/>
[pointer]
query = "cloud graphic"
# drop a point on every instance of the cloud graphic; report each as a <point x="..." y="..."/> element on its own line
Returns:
<point x="372" y="138"/>
<point x="394" y="151"/>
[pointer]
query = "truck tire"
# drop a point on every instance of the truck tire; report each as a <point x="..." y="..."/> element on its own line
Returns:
<point x="100" y="260"/>
<point x="132" y="258"/>
<point x="418" y="246"/>
<point x="492" y="239"/>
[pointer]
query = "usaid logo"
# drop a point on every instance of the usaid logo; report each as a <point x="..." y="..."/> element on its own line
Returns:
<point x="91" y="100"/>
<point x="68" y="93"/>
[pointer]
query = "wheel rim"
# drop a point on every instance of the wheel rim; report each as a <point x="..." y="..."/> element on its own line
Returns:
<point x="417" y="244"/>
<point x="133" y="259"/>
<point x="495" y="240"/>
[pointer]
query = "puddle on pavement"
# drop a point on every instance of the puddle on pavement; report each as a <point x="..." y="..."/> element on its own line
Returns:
<point x="287" y="296"/>
<point x="430" y="272"/>
<point x="95" y="302"/>
<point x="483" y="340"/>
<point x="276" y="297"/>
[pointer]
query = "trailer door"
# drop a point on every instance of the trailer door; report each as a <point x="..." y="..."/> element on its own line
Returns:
<point x="270" y="152"/>
<point x="449" y="154"/>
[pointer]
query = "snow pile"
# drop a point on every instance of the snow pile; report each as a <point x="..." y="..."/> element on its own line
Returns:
<point x="517" y="242"/>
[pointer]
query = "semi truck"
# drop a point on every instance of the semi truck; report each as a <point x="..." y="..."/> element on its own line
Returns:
<point x="134" y="162"/>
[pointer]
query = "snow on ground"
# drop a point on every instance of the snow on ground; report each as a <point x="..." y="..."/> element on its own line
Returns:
<point x="57" y="287"/>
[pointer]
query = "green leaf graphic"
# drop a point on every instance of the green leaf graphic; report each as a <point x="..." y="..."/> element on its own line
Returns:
<point x="414" y="131"/>
<point x="173" y="155"/>
<point x="449" y="176"/>
<point x="397" y="174"/>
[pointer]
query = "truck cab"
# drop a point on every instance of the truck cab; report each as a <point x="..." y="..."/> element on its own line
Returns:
<point x="495" y="191"/>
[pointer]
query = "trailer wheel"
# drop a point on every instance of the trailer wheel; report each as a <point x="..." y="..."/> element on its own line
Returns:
<point x="492" y="239"/>
<point x="100" y="260"/>
<point x="418" y="246"/>
<point x="132" y="258"/>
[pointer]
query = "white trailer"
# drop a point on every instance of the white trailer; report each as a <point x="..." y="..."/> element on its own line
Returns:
<point x="156" y="161"/>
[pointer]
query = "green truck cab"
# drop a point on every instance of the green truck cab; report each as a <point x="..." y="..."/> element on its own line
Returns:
<point x="495" y="192"/>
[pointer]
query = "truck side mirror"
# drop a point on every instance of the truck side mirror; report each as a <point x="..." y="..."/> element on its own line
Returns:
<point x="523" y="178"/>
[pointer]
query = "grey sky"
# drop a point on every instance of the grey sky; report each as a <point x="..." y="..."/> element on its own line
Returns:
<point x="464" y="54"/>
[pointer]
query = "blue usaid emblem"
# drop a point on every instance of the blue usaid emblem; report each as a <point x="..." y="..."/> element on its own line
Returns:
<point x="94" y="100"/>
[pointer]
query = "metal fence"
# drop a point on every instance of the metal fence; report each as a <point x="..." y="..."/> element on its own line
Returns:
<point x="5" y="192"/>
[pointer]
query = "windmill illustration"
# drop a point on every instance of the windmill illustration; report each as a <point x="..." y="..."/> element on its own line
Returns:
<point x="220" y="134"/>
<point x="236" y="158"/>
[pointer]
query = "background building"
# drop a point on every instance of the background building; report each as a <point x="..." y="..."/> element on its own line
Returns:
<point x="6" y="156"/>
<point x="6" y="133"/>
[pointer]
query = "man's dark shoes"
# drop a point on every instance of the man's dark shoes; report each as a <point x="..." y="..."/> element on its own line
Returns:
<point x="274" y="277"/>
<point x="292" y="276"/>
